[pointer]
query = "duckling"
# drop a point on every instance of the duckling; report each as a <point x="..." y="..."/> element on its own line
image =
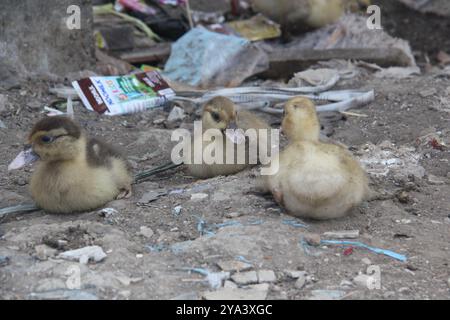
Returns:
<point x="314" y="179"/>
<point x="301" y="15"/>
<point x="75" y="173"/>
<point x="222" y="114"/>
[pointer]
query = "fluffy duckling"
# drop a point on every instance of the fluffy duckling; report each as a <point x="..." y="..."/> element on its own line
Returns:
<point x="300" y="15"/>
<point x="315" y="180"/>
<point x="75" y="173"/>
<point x="221" y="113"/>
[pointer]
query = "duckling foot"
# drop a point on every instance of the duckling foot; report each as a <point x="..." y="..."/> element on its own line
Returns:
<point x="125" y="194"/>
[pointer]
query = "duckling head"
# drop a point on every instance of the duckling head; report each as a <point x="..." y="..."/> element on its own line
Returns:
<point x="358" y="5"/>
<point x="300" y="120"/>
<point x="56" y="139"/>
<point x="219" y="113"/>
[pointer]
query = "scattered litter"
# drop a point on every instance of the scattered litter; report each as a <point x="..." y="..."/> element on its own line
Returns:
<point x="64" y="92"/>
<point x="176" y="211"/>
<point x="84" y="255"/>
<point x="108" y="212"/>
<point x="380" y="160"/>
<point x="21" y="208"/>
<point x="243" y="259"/>
<point x="346" y="234"/>
<point x="27" y="156"/>
<point x="2" y="125"/>
<point x="398" y="72"/>
<point x="294" y="223"/>
<point x="348" y="251"/>
<point x="388" y="253"/>
<point x="123" y="95"/>
<point x="205" y="59"/>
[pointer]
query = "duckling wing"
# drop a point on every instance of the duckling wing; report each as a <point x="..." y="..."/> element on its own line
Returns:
<point x="316" y="174"/>
<point x="247" y="120"/>
<point x="99" y="153"/>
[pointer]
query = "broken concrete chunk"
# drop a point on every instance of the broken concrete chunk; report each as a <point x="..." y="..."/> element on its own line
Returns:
<point x="84" y="255"/>
<point x="244" y="278"/>
<point x="234" y="266"/>
<point x="266" y="276"/>
<point x="258" y="292"/>
<point x="326" y="294"/>
<point x="345" y="234"/>
<point x="198" y="196"/>
<point x="301" y="281"/>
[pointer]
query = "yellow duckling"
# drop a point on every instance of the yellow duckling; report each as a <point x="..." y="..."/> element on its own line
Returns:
<point x="75" y="173"/>
<point x="306" y="14"/>
<point x="315" y="180"/>
<point x="221" y="113"/>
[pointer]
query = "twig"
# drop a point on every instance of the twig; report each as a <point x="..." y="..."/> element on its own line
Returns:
<point x="189" y="14"/>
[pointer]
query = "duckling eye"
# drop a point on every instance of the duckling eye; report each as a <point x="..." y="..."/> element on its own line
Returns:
<point x="215" y="116"/>
<point x="46" y="139"/>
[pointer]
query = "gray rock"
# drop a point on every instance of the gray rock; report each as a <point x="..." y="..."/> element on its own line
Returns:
<point x="257" y="292"/>
<point x="61" y="294"/>
<point x="266" y="276"/>
<point x="146" y="232"/>
<point x="151" y="196"/>
<point x="234" y="266"/>
<point x="362" y="280"/>
<point x="294" y="274"/>
<point x="345" y="234"/>
<point x="301" y="281"/>
<point x="326" y="294"/>
<point x="244" y="278"/>
<point x="43" y="252"/>
<point x="4" y="261"/>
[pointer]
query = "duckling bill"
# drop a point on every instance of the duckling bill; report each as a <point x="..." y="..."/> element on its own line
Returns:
<point x="75" y="173"/>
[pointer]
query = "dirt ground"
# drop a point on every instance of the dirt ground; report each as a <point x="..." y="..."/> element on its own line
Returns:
<point x="408" y="214"/>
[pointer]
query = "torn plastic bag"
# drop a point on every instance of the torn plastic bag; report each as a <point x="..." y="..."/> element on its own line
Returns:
<point x="206" y="59"/>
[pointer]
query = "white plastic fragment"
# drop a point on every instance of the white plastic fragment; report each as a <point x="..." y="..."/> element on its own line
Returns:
<point x="84" y="255"/>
